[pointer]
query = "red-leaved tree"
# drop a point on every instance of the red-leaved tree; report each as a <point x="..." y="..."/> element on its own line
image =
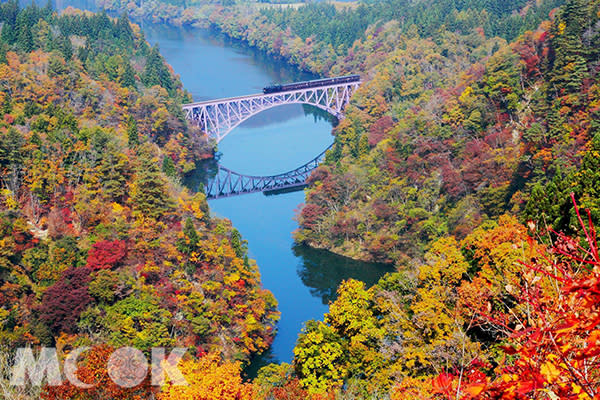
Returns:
<point x="106" y="254"/>
<point x="66" y="299"/>
<point x="556" y="353"/>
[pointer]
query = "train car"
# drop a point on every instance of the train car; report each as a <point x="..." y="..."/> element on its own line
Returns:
<point x="310" y="84"/>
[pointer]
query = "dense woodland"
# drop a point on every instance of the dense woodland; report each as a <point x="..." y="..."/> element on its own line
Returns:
<point x="99" y="244"/>
<point x="469" y="159"/>
<point x="464" y="181"/>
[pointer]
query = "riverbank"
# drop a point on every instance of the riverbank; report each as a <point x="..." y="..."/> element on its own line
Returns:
<point x="381" y="195"/>
<point x="239" y="23"/>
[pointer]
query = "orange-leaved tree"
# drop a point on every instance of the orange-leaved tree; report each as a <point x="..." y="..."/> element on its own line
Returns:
<point x="209" y="378"/>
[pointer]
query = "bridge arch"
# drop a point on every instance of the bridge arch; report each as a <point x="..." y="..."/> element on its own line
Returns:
<point x="247" y="117"/>
<point x="219" y="117"/>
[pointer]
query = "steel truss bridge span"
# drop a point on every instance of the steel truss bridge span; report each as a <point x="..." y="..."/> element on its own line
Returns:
<point x="228" y="183"/>
<point x="219" y="117"/>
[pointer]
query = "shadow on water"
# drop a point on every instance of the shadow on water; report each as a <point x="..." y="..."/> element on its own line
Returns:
<point x="205" y="170"/>
<point x="323" y="271"/>
<point x="319" y="114"/>
<point x="257" y="362"/>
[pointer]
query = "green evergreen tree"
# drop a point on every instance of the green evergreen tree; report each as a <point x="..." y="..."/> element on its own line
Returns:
<point x="150" y="196"/>
<point x="569" y="67"/>
<point x="113" y="172"/>
<point x="190" y="232"/>
<point x="25" y="39"/>
<point x="7" y="104"/>
<point x="239" y="245"/>
<point x="124" y="29"/>
<point x="65" y="47"/>
<point x="82" y="54"/>
<point x="133" y="139"/>
<point x="3" y="49"/>
<point x="168" y="167"/>
<point x="36" y="139"/>
<point x="586" y="182"/>
<point x="8" y="33"/>
<point x="9" y="12"/>
<point x="48" y="9"/>
<point x="11" y="158"/>
<point x="156" y="72"/>
<point x="550" y="205"/>
<point x="128" y="75"/>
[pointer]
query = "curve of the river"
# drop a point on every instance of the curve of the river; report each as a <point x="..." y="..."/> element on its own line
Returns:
<point x="303" y="280"/>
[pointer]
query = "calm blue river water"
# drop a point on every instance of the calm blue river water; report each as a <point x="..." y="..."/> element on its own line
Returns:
<point x="303" y="280"/>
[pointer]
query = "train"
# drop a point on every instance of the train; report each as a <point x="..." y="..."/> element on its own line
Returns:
<point x="311" y="84"/>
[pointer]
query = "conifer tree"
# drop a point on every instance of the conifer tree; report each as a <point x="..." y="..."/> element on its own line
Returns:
<point x="133" y="138"/>
<point x="114" y="171"/>
<point x="168" y="167"/>
<point x="63" y="44"/>
<point x="10" y="11"/>
<point x="156" y="72"/>
<point x="24" y="38"/>
<point x="570" y="68"/>
<point x="11" y="158"/>
<point x="149" y="193"/>
<point x="124" y="29"/>
<point x="128" y="75"/>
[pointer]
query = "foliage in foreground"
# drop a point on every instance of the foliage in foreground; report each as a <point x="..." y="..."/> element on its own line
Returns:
<point x="498" y="315"/>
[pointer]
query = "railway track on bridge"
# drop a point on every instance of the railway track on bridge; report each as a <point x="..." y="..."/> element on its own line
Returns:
<point x="217" y="118"/>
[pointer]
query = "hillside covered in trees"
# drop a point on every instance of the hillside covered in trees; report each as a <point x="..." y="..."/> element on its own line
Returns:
<point x="426" y="151"/>
<point x="462" y="160"/>
<point x="99" y="246"/>
<point x="469" y="159"/>
<point x="416" y="165"/>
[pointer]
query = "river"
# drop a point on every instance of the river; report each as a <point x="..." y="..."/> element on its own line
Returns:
<point x="303" y="280"/>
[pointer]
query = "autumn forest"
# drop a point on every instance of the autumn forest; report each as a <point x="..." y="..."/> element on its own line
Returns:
<point x="468" y="159"/>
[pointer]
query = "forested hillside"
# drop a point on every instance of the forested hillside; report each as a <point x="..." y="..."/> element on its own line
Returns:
<point x="319" y="35"/>
<point x="340" y="26"/>
<point x="437" y="171"/>
<point x="415" y="164"/>
<point x="100" y="245"/>
<point x="462" y="160"/>
<point x="469" y="159"/>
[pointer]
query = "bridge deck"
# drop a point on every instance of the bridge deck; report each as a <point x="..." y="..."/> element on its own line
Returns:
<point x="223" y="100"/>
<point x="256" y="95"/>
<point x="218" y="117"/>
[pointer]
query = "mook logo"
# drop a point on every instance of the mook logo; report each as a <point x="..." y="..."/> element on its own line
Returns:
<point x="127" y="367"/>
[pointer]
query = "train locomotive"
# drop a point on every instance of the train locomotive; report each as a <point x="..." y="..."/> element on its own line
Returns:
<point x="311" y="84"/>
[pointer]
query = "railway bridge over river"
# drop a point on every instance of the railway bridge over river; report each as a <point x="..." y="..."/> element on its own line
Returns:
<point x="217" y="118"/>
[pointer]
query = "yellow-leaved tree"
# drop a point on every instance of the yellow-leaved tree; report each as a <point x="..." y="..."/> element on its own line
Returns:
<point x="209" y="378"/>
